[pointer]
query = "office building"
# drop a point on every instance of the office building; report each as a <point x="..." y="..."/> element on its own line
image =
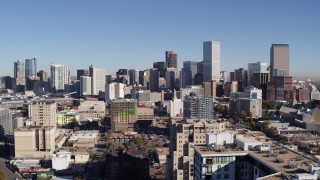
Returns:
<point x="241" y="75"/>
<point x="172" y="59"/>
<point x="43" y="113"/>
<point x="185" y="78"/>
<point x="195" y="106"/>
<point x="254" y="68"/>
<point x="92" y="110"/>
<point x="183" y="136"/>
<point x="303" y="94"/>
<point x="133" y="76"/>
<point x="85" y="86"/>
<point x="34" y="142"/>
<point x="82" y="72"/>
<point x="19" y="73"/>
<point x="59" y="76"/>
<point x="123" y="115"/>
<point x="5" y="122"/>
<point x="43" y="75"/>
<point x="279" y="60"/>
<point x="154" y="80"/>
<point x="249" y="101"/>
<point x="113" y="91"/>
<point x="170" y="79"/>
<point x="280" y="88"/>
<point x="191" y="89"/>
<point x="30" y="67"/>
<point x="98" y="80"/>
<point x="211" y="53"/>
<point x="230" y="87"/>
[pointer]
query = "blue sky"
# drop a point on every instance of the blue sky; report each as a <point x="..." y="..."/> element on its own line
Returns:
<point x="134" y="34"/>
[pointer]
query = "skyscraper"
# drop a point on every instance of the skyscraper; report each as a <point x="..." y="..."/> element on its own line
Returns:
<point x="279" y="60"/>
<point x="43" y="75"/>
<point x="172" y="59"/>
<point x="82" y="72"/>
<point x="211" y="53"/>
<point x="59" y="76"/>
<point x="19" y="72"/>
<point x="85" y="85"/>
<point x="31" y="67"/>
<point x="98" y="80"/>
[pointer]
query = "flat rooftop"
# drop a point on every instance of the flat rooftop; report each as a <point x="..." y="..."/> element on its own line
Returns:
<point x="277" y="158"/>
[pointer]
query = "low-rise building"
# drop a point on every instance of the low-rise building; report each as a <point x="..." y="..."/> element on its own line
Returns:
<point x="61" y="160"/>
<point x="35" y="142"/>
<point x="66" y="117"/>
<point x="92" y="110"/>
<point x="161" y="154"/>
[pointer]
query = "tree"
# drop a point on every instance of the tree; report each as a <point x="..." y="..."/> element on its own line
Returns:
<point x="137" y="141"/>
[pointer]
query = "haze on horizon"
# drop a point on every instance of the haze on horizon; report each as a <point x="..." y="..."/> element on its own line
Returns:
<point x="135" y="34"/>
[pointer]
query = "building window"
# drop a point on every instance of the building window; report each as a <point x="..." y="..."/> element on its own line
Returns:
<point x="226" y="176"/>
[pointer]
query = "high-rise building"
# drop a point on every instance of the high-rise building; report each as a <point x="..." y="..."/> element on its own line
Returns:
<point x="98" y="80"/>
<point x="170" y="79"/>
<point x="195" y="106"/>
<point x="85" y="85"/>
<point x="188" y="72"/>
<point x="154" y="80"/>
<point x="161" y="66"/>
<point x="19" y="73"/>
<point x="114" y="90"/>
<point x="43" y="75"/>
<point x="123" y="114"/>
<point x="59" y="76"/>
<point x="34" y="142"/>
<point x="82" y="72"/>
<point x="183" y="136"/>
<point x="241" y="75"/>
<point x="30" y="67"/>
<point x="280" y="88"/>
<point x="172" y="59"/>
<point x="43" y="113"/>
<point x="5" y="122"/>
<point x="253" y="68"/>
<point x="133" y="76"/>
<point x="279" y="60"/>
<point x="211" y="53"/>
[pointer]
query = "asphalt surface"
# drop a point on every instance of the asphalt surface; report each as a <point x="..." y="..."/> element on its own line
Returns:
<point x="8" y="173"/>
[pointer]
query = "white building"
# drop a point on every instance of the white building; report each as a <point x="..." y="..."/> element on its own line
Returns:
<point x="85" y="85"/>
<point x="59" y="76"/>
<point x="5" y="122"/>
<point x="191" y="89"/>
<point x="61" y="160"/>
<point x="175" y="108"/>
<point x="211" y="53"/>
<point x="98" y="80"/>
<point x="114" y="90"/>
<point x="220" y="138"/>
<point x="248" y="143"/>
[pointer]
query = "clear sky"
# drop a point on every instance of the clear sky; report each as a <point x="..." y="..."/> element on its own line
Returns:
<point x="136" y="33"/>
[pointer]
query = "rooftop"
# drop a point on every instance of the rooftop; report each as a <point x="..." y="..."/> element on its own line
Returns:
<point x="277" y="158"/>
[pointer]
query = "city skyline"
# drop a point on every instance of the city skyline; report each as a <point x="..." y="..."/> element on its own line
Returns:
<point x="78" y="34"/>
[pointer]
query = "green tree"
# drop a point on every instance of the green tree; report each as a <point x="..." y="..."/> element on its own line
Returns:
<point x="137" y="141"/>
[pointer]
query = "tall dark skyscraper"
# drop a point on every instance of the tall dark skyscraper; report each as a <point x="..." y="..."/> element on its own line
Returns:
<point x="279" y="60"/>
<point x="172" y="59"/>
<point x="30" y="67"/>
